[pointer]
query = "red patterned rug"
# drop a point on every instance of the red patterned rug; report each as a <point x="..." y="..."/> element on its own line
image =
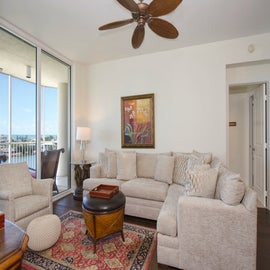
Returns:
<point x="74" y="249"/>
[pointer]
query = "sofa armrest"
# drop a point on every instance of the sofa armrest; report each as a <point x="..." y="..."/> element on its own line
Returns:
<point x="42" y="187"/>
<point x="213" y="235"/>
<point x="95" y="171"/>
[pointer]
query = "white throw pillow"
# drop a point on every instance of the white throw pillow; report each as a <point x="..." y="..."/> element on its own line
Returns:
<point x="201" y="167"/>
<point x="180" y="167"/>
<point x="193" y="162"/>
<point x="202" y="183"/>
<point x="164" y="169"/>
<point x="103" y="161"/>
<point x="223" y="177"/>
<point x="232" y="192"/>
<point x="146" y="164"/>
<point x="126" y="165"/>
<point x="112" y="164"/>
<point x="207" y="157"/>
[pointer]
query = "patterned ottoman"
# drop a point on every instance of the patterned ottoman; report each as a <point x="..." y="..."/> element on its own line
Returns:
<point x="43" y="232"/>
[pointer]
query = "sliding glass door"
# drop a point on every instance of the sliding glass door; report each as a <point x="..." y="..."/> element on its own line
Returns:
<point x="54" y="121"/>
<point x="34" y="110"/>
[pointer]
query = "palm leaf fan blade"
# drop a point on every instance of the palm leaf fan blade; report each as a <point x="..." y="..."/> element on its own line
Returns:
<point x="161" y="7"/>
<point x="138" y="36"/>
<point x="129" y="4"/>
<point x="115" y="24"/>
<point x="163" y="28"/>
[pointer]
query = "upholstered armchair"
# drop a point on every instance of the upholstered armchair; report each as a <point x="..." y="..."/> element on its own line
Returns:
<point x="23" y="198"/>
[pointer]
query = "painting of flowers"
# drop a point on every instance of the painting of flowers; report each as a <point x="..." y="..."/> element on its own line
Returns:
<point x="138" y="121"/>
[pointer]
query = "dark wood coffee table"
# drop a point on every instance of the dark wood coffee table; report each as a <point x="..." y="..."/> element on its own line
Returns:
<point x="13" y="243"/>
<point x="104" y="216"/>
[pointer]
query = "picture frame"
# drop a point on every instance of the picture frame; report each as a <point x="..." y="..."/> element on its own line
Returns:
<point x="138" y="121"/>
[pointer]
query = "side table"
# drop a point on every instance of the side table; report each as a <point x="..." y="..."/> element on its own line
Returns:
<point x="82" y="171"/>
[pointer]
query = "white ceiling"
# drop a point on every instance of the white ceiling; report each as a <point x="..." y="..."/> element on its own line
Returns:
<point x="71" y="26"/>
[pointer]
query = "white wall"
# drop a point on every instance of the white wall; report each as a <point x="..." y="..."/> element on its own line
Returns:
<point x="190" y="94"/>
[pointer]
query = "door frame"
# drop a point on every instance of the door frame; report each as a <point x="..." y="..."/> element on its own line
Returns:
<point x="266" y="130"/>
<point x="251" y="140"/>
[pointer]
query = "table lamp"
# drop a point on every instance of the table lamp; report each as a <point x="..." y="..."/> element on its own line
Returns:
<point x="83" y="135"/>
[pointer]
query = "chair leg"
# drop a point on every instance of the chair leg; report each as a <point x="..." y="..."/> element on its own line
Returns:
<point x="55" y="188"/>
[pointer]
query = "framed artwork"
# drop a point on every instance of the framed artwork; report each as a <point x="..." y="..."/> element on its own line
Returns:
<point x="138" y="121"/>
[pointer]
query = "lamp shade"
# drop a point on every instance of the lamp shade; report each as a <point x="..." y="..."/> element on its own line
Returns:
<point x="83" y="134"/>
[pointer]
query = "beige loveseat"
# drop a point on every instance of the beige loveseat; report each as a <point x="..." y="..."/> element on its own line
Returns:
<point x="23" y="198"/>
<point x="206" y="218"/>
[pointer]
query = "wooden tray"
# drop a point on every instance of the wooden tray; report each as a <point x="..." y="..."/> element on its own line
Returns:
<point x="104" y="191"/>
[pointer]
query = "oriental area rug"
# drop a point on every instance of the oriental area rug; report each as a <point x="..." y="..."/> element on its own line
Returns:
<point x="74" y="249"/>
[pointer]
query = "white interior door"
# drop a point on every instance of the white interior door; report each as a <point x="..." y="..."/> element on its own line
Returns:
<point x="258" y="143"/>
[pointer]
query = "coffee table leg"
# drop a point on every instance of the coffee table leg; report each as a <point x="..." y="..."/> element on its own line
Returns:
<point x="123" y="237"/>
<point x="94" y="246"/>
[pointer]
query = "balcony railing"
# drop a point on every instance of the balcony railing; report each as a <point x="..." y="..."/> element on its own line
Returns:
<point x="15" y="152"/>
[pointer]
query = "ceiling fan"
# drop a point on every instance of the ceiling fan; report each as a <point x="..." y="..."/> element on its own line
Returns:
<point x="143" y="13"/>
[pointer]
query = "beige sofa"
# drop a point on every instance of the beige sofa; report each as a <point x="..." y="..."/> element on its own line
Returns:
<point x="23" y="198"/>
<point x="206" y="218"/>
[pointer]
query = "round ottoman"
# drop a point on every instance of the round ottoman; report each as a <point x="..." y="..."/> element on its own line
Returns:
<point x="43" y="232"/>
<point x="104" y="216"/>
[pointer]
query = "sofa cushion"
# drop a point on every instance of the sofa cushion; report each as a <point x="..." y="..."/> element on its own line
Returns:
<point x="146" y="165"/>
<point x="24" y="206"/>
<point x="202" y="183"/>
<point x="145" y="188"/>
<point x="232" y="192"/>
<point x="167" y="215"/>
<point x="126" y="165"/>
<point x="12" y="174"/>
<point x="164" y="168"/>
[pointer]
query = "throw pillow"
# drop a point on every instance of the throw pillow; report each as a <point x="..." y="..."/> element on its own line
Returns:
<point x="202" y="183"/>
<point x="201" y="167"/>
<point x="103" y="161"/>
<point x="215" y="162"/>
<point x="112" y="164"/>
<point x="193" y="162"/>
<point x="164" y="169"/>
<point x="232" y="192"/>
<point x="126" y="165"/>
<point x="146" y="164"/>
<point x="207" y="157"/>
<point x="180" y="167"/>
<point x="224" y="176"/>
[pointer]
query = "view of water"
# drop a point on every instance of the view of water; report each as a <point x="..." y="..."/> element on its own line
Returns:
<point x="31" y="160"/>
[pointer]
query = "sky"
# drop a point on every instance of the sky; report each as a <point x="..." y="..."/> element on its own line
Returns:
<point x="24" y="108"/>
